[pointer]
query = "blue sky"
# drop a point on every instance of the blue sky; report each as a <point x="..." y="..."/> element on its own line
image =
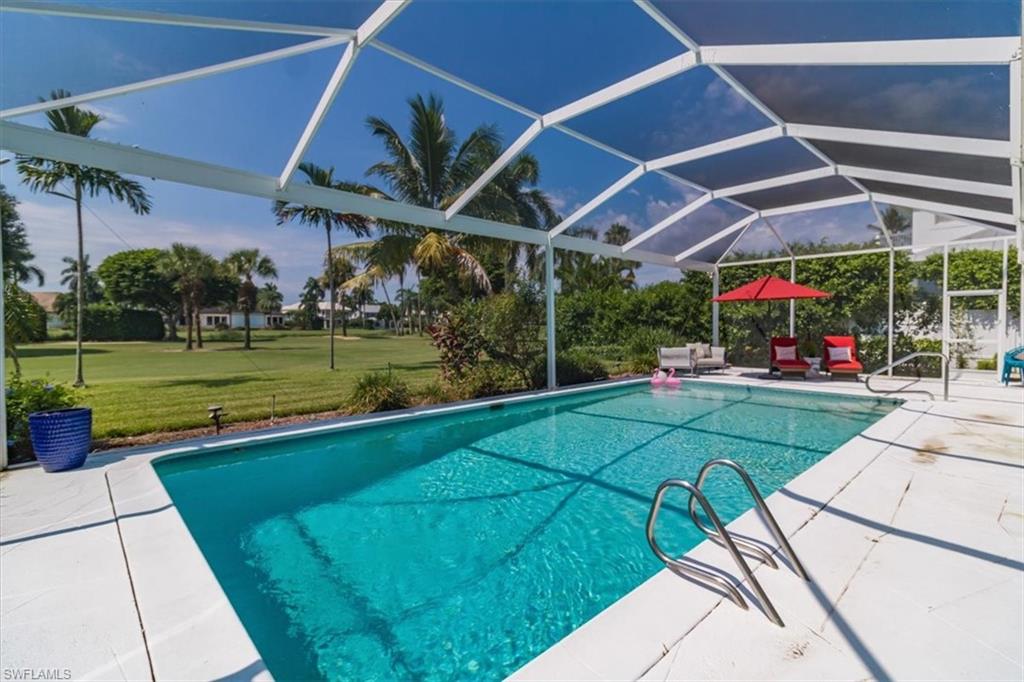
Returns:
<point x="540" y="55"/>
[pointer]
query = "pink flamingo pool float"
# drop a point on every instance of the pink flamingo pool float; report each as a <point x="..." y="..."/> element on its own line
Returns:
<point x="669" y="380"/>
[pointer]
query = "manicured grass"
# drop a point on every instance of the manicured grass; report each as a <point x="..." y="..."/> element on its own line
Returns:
<point x="137" y="388"/>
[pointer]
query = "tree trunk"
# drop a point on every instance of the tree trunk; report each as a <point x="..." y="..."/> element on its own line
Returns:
<point x="400" y="327"/>
<point x="419" y="315"/>
<point x="187" y="307"/>
<point x="248" y="329"/>
<point x="80" y="293"/>
<point x="344" y="317"/>
<point x="394" y="318"/>
<point x="171" y="321"/>
<point x="196" y="308"/>
<point x="330" y="288"/>
<point x="12" y="353"/>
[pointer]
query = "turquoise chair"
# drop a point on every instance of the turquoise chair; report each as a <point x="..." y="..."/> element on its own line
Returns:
<point x="1013" y="358"/>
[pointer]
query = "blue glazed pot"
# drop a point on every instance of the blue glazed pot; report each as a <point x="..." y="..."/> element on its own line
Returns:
<point x="61" y="438"/>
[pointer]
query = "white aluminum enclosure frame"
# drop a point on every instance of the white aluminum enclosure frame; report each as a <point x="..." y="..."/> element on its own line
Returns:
<point x="999" y="51"/>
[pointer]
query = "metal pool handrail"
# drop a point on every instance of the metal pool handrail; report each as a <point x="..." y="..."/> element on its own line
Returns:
<point x="918" y="354"/>
<point x="766" y="515"/>
<point x="701" y="575"/>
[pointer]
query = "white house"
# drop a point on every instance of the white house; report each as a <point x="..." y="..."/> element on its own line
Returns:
<point x="212" y="318"/>
<point x="371" y="311"/>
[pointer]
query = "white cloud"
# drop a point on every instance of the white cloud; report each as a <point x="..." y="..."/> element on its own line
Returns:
<point x="112" y="118"/>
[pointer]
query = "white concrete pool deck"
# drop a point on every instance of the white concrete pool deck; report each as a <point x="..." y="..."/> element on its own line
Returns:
<point x="912" y="532"/>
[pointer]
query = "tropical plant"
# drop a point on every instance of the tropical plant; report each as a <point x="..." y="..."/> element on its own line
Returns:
<point x="309" y="305"/>
<point x="243" y="264"/>
<point x="577" y="271"/>
<point x="340" y="270"/>
<point x="189" y="268"/>
<point x="432" y="169"/>
<point x="378" y="392"/>
<point x="269" y="299"/>
<point x="24" y="321"/>
<point x="328" y="219"/>
<point x="25" y="396"/>
<point x="17" y="255"/>
<point x="134" y="279"/>
<point x="46" y="175"/>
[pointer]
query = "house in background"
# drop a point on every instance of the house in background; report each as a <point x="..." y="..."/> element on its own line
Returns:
<point x="48" y="300"/>
<point x="368" y="312"/>
<point x="222" y="318"/>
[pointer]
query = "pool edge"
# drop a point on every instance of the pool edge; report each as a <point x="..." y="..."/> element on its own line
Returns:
<point x="193" y="632"/>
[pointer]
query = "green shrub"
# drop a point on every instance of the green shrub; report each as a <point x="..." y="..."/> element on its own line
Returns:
<point x="379" y="392"/>
<point x="106" y="322"/>
<point x="987" y="363"/>
<point x="25" y="396"/>
<point x="576" y="366"/>
<point x="641" y="348"/>
<point x="436" y="393"/>
<point x="489" y="379"/>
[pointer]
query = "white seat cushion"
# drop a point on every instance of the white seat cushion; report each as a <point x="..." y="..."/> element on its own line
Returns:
<point x="785" y="352"/>
<point x="841" y="354"/>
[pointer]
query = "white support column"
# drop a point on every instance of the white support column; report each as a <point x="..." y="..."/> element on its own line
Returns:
<point x="715" y="284"/>
<point x="890" y="327"/>
<point x="945" y="305"/>
<point x="3" y="371"/>
<point x="549" y="296"/>
<point x="792" y="302"/>
<point x="1004" y="311"/>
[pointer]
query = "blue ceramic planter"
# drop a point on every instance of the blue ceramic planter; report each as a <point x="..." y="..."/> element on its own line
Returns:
<point x="61" y="438"/>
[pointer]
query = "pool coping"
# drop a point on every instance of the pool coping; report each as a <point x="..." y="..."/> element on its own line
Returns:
<point x="183" y="608"/>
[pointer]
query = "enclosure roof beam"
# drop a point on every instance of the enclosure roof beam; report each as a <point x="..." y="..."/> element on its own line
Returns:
<point x="166" y="18"/>
<point x="778" y="181"/>
<point x="668" y="222"/>
<point x="735" y="227"/>
<point x="814" y="205"/>
<point x="373" y="25"/>
<point x="883" y="138"/>
<point x="950" y="209"/>
<point x="939" y="51"/>
<point x="988" y="189"/>
<point x="180" y="77"/>
<point x="613" y="189"/>
<point x="32" y="141"/>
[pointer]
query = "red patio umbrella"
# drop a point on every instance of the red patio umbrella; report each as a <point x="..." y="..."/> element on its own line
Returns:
<point x="770" y="288"/>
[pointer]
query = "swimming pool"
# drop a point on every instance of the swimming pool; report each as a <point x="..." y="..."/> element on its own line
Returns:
<point x="464" y="545"/>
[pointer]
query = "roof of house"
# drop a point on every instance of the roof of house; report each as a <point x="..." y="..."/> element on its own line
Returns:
<point x="47" y="299"/>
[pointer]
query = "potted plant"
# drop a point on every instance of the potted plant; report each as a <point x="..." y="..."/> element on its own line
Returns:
<point x="43" y="418"/>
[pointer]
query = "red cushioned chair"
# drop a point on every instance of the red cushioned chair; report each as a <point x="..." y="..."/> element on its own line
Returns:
<point x="851" y="367"/>
<point x="795" y="367"/>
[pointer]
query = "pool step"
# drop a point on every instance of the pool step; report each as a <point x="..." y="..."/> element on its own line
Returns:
<point x="721" y="536"/>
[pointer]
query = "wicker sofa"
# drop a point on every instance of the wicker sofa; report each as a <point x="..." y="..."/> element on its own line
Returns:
<point x="707" y="357"/>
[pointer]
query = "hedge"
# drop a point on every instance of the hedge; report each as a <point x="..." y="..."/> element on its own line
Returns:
<point x="105" y="322"/>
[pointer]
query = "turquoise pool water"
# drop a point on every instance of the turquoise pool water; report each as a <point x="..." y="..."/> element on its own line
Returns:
<point x="462" y="546"/>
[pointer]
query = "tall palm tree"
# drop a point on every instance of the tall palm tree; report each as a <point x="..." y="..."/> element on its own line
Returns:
<point x="269" y="299"/>
<point x="340" y="269"/>
<point x="328" y="219"/>
<point x="45" y="175"/>
<point x="619" y="234"/>
<point x="189" y="267"/>
<point x="243" y="264"/>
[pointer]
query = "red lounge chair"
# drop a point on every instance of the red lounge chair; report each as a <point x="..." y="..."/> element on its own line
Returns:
<point x="842" y="367"/>
<point x="798" y="366"/>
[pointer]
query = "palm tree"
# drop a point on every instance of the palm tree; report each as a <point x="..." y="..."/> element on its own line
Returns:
<point x="189" y="267"/>
<point x="339" y="270"/>
<point x="269" y="299"/>
<point x="432" y="169"/>
<point x="618" y="234"/>
<point x="45" y="175"/>
<point x="326" y="218"/>
<point x="243" y="264"/>
<point x="17" y="254"/>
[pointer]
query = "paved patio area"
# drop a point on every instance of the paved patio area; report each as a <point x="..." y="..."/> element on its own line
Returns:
<point x="912" y="532"/>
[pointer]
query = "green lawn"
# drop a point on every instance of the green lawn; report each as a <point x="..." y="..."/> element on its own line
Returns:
<point x="137" y="388"/>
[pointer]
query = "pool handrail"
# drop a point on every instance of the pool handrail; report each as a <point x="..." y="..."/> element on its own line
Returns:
<point x="905" y="389"/>
<point x="701" y="575"/>
<point x="766" y="516"/>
